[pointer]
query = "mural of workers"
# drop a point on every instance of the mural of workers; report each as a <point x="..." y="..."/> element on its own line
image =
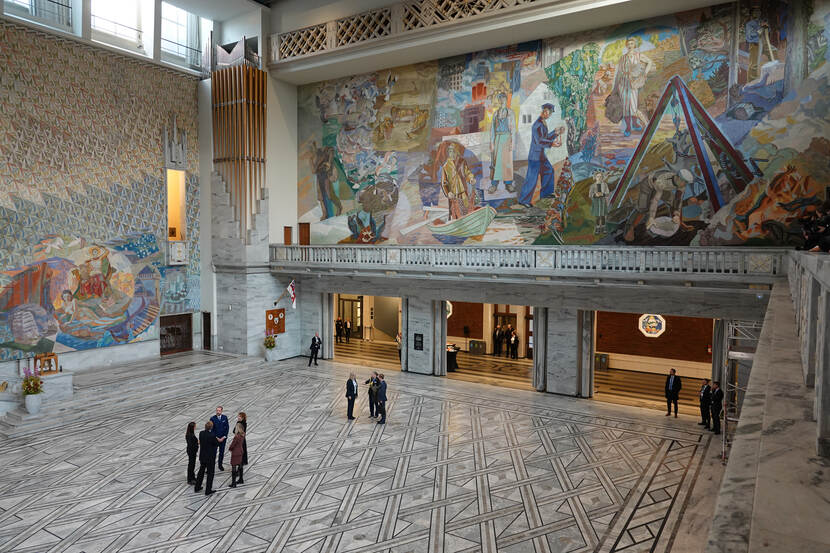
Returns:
<point x="537" y="160"/>
<point x="501" y="146"/>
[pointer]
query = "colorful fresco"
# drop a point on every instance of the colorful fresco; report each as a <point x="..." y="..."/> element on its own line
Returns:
<point x="681" y="130"/>
<point x="81" y="156"/>
<point x="77" y="295"/>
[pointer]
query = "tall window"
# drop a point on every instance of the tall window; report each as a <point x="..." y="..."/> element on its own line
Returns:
<point x="53" y="13"/>
<point x="182" y="35"/>
<point x="120" y="23"/>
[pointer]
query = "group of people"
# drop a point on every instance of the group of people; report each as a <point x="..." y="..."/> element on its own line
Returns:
<point x="816" y="229"/>
<point x="211" y="444"/>
<point x="342" y="329"/>
<point x="711" y="400"/>
<point x="377" y="396"/>
<point x="506" y="339"/>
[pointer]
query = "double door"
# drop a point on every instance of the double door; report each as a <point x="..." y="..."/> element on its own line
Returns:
<point x="351" y="309"/>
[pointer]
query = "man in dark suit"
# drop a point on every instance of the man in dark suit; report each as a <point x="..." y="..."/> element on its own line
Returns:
<point x="220" y="431"/>
<point x="207" y="457"/>
<point x="381" y="398"/>
<point x="673" y="386"/>
<point x="347" y="328"/>
<point x="316" y="342"/>
<point x="717" y="406"/>
<point x="498" y="336"/>
<point x="508" y="332"/>
<point x="705" y="402"/>
<point x="351" y="395"/>
<point x="338" y="329"/>
<point x="374" y="384"/>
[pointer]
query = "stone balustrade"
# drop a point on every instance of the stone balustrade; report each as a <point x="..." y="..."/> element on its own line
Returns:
<point x="741" y="264"/>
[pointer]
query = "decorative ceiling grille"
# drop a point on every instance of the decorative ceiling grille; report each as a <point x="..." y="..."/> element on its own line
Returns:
<point x="304" y="41"/>
<point x="365" y="26"/>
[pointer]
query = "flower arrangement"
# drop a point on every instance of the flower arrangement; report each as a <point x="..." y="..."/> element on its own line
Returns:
<point x="32" y="383"/>
<point x="270" y="342"/>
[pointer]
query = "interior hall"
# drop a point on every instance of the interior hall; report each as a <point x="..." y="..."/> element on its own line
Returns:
<point x="414" y="276"/>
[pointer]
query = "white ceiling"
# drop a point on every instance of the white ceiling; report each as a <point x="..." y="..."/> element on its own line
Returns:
<point x="217" y="10"/>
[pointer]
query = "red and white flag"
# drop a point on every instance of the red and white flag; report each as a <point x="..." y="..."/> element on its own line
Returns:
<point x="292" y="293"/>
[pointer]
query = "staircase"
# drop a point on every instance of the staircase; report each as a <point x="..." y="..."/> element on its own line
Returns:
<point x="642" y="385"/>
<point x="100" y="393"/>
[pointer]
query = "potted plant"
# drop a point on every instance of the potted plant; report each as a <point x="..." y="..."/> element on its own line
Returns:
<point x="270" y="344"/>
<point x="32" y="390"/>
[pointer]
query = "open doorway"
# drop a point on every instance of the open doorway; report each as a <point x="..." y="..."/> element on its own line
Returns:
<point x="176" y="333"/>
<point x="634" y="352"/>
<point x="365" y="328"/>
<point x="490" y="343"/>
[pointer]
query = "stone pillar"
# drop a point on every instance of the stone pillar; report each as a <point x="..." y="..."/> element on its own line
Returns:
<point x="540" y="329"/>
<point x="585" y="360"/>
<point x="427" y="320"/>
<point x="327" y="325"/>
<point x="806" y="314"/>
<point x="823" y="373"/>
<point x="562" y="351"/>
<point x="718" y="348"/>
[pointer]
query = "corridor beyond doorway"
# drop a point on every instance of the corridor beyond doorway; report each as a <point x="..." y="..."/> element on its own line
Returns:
<point x="373" y="323"/>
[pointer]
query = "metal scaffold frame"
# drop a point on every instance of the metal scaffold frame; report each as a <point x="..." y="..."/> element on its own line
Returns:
<point x="741" y="339"/>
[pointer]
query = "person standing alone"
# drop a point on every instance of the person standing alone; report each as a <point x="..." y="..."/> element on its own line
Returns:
<point x="316" y="342"/>
<point x="381" y="399"/>
<point x="705" y="401"/>
<point x="673" y="386"/>
<point x="351" y="396"/>
<point x="347" y="327"/>
<point x="338" y="329"/>
<point x="716" y="407"/>
<point x="220" y="430"/>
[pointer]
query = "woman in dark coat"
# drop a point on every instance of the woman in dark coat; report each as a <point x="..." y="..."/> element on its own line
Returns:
<point x="242" y="419"/>
<point x="236" y="455"/>
<point x="192" y="449"/>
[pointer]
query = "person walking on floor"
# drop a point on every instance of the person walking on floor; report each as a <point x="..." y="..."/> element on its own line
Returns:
<point x="705" y="401"/>
<point x="673" y="386"/>
<point x="221" y="427"/>
<point x="374" y="383"/>
<point x="398" y="340"/>
<point x="242" y="419"/>
<point x="716" y="407"/>
<point x="351" y="396"/>
<point x="338" y="329"/>
<point x="347" y="327"/>
<point x="381" y="399"/>
<point x="207" y="458"/>
<point x="316" y="342"/>
<point x="192" y="449"/>
<point x="236" y="455"/>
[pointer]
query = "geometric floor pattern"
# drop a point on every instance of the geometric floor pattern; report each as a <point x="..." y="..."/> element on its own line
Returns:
<point x="458" y="467"/>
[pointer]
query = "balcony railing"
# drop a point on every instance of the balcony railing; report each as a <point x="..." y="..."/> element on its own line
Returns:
<point x="540" y="260"/>
<point x="398" y="20"/>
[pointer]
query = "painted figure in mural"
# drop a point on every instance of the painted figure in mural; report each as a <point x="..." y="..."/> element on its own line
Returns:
<point x="501" y="146"/>
<point x="629" y="79"/>
<point x="753" y="34"/>
<point x="537" y="161"/>
<point x="658" y="187"/>
<point x="323" y="166"/>
<point x="92" y="276"/>
<point x="456" y="181"/>
<point x="599" y="199"/>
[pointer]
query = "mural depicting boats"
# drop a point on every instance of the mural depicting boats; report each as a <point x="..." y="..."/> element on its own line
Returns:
<point x="474" y="223"/>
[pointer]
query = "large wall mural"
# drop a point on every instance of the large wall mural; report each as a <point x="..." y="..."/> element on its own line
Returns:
<point x="681" y="130"/>
<point x="82" y="196"/>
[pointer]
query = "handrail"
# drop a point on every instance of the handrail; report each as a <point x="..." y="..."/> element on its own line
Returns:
<point x="542" y="259"/>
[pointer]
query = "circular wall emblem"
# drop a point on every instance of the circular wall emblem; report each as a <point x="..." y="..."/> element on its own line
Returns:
<point x="652" y="326"/>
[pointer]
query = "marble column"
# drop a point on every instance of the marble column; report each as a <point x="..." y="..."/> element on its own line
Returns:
<point x="563" y="351"/>
<point x="718" y="348"/>
<point x="540" y="330"/>
<point x="426" y="329"/>
<point x="822" y="372"/>
<point x="585" y="360"/>
<point x="807" y="314"/>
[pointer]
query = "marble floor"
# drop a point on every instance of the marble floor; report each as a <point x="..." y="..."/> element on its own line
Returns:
<point x="459" y="467"/>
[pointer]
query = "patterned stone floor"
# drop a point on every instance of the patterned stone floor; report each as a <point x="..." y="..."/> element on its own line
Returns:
<point x="459" y="467"/>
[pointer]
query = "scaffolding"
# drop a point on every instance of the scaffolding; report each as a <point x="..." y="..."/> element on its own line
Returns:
<point x="741" y="339"/>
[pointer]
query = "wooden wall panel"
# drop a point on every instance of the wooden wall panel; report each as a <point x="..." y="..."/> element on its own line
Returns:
<point x="466" y="314"/>
<point x="686" y="338"/>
